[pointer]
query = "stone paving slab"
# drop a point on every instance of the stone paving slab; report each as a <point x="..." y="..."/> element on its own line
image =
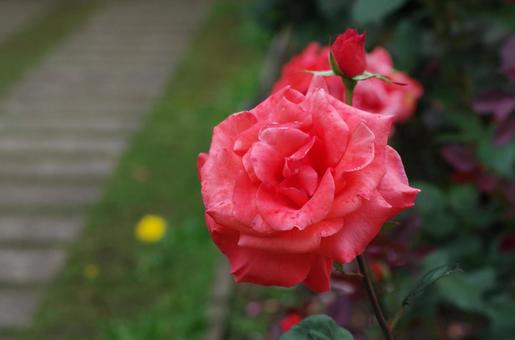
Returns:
<point x="33" y="169"/>
<point x="39" y="228"/>
<point x="18" y="306"/>
<point x="67" y="121"/>
<point x="24" y="266"/>
<point x="15" y="15"/>
<point x="21" y="195"/>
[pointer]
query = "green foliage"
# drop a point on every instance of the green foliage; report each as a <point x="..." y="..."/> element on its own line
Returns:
<point x="467" y="290"/>
<point x="453" y="49"/>
<point x="427" y="280"/>
<point x="317" y="327"/>
<point x="369" y="11"/>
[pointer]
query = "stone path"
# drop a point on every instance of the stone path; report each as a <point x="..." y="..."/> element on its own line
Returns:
<point x="63" y="127"/>
<point x="16" y="14"/>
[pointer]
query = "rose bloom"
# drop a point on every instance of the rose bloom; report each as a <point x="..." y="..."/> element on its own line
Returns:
<point x="371" y="95"/>
<point x="298" y="182"/>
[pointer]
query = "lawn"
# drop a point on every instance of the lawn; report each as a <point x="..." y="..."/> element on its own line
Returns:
<point x="116" y="287"/>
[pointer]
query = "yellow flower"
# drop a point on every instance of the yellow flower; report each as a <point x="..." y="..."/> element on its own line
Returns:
<point x="150" y="229"/>
<point x="91" y="271"/>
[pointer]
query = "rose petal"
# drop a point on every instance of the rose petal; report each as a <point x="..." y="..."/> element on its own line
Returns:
<point x="225" y="133"/>
<point x="380" y="125"/>
<point x="269" y="268"/>
<point x="293" y="241"/>
<point x="344" y="205"/>
<point x="218" y="175"/>
<point x="266" y="162"/>
<point x="248" y="137"/>
<point x="280" y="216"/>
<point x="201" y="160"/>
<point x="283" y="138"/>
<point x="329" y="127"/>
<point x="358" y="230"/>
<point x="360" y="151"/>
<point x="319" y="277"/>
<point x="256" y="266"/>
<point x="244" y="201"/>
<point x="394" y="186"/>
<point x="297" y="196"/>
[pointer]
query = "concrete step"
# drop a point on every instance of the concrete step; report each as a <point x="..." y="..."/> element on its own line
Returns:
<point x="39" y="229"/>
<point x="24" y="266"/>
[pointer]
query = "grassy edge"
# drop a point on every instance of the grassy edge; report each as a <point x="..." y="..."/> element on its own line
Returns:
<point x="157" y="291"/>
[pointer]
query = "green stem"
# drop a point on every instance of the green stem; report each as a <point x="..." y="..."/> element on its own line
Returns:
<point x="349" y="85"/>
<point x="397" y="318"/>
<point x="373" y="298"/>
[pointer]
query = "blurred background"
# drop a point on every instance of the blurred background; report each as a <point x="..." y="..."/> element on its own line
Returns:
<point x="104" y="106"/>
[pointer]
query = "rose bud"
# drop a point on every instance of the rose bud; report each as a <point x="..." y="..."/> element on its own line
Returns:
<point x="349" y="52"/>
<point x="298" y="182"/>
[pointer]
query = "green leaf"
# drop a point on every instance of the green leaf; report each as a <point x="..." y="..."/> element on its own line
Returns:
<point x="325" y="73"/>
<point x="432" y="205"/>
<point x="431" y="199"/>
<point x="466" y="290"/>
<point x="464" y="202"/>
<point x="317" y="327"/>
<point x="406" y="45"/>
<point x="501" y="309"/>
<point x="501" y="159"/>
<point x="367" y="11"/>
<point x="428" y="279"/>
<point x="367" y="75"/>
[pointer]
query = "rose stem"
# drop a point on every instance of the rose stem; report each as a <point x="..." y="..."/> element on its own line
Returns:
<point x="349" y="85"/>
<point x="373" y="298"/>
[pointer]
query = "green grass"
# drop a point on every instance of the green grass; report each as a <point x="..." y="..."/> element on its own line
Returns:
<point x="24" y="49"/>
<point x="158" y="291"/>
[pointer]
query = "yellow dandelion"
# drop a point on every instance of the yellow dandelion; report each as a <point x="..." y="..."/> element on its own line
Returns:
<point x="91" y="271"/>
<point x="150" y="229"/>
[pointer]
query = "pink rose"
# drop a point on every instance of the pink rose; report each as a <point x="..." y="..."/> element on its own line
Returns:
<point x="371" y="95"/>
<point x="349" y="52"/>
<point x="298" y="182"/>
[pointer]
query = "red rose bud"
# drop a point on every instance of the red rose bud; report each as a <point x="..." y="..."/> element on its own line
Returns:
<point x="349" y="52"/>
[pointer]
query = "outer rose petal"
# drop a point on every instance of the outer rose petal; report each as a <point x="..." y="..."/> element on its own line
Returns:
<point x="225" y="133"/>
<point x="269" y="268"/>
<point x="245" y="210"/>
<point x="319" y="278"/>
<point x="281" y="107"/>
<point x="379" y="61"/>
<point x="279" y="216"/>
<point x="256" y="266"/>
<point x="359" y="229"/>
<point x="394" y="187"/>
<point x="201" y="160"/>
<point x="364" y="182"/>
<point x="218" y="175"/>
<point x="293" y="241"/>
